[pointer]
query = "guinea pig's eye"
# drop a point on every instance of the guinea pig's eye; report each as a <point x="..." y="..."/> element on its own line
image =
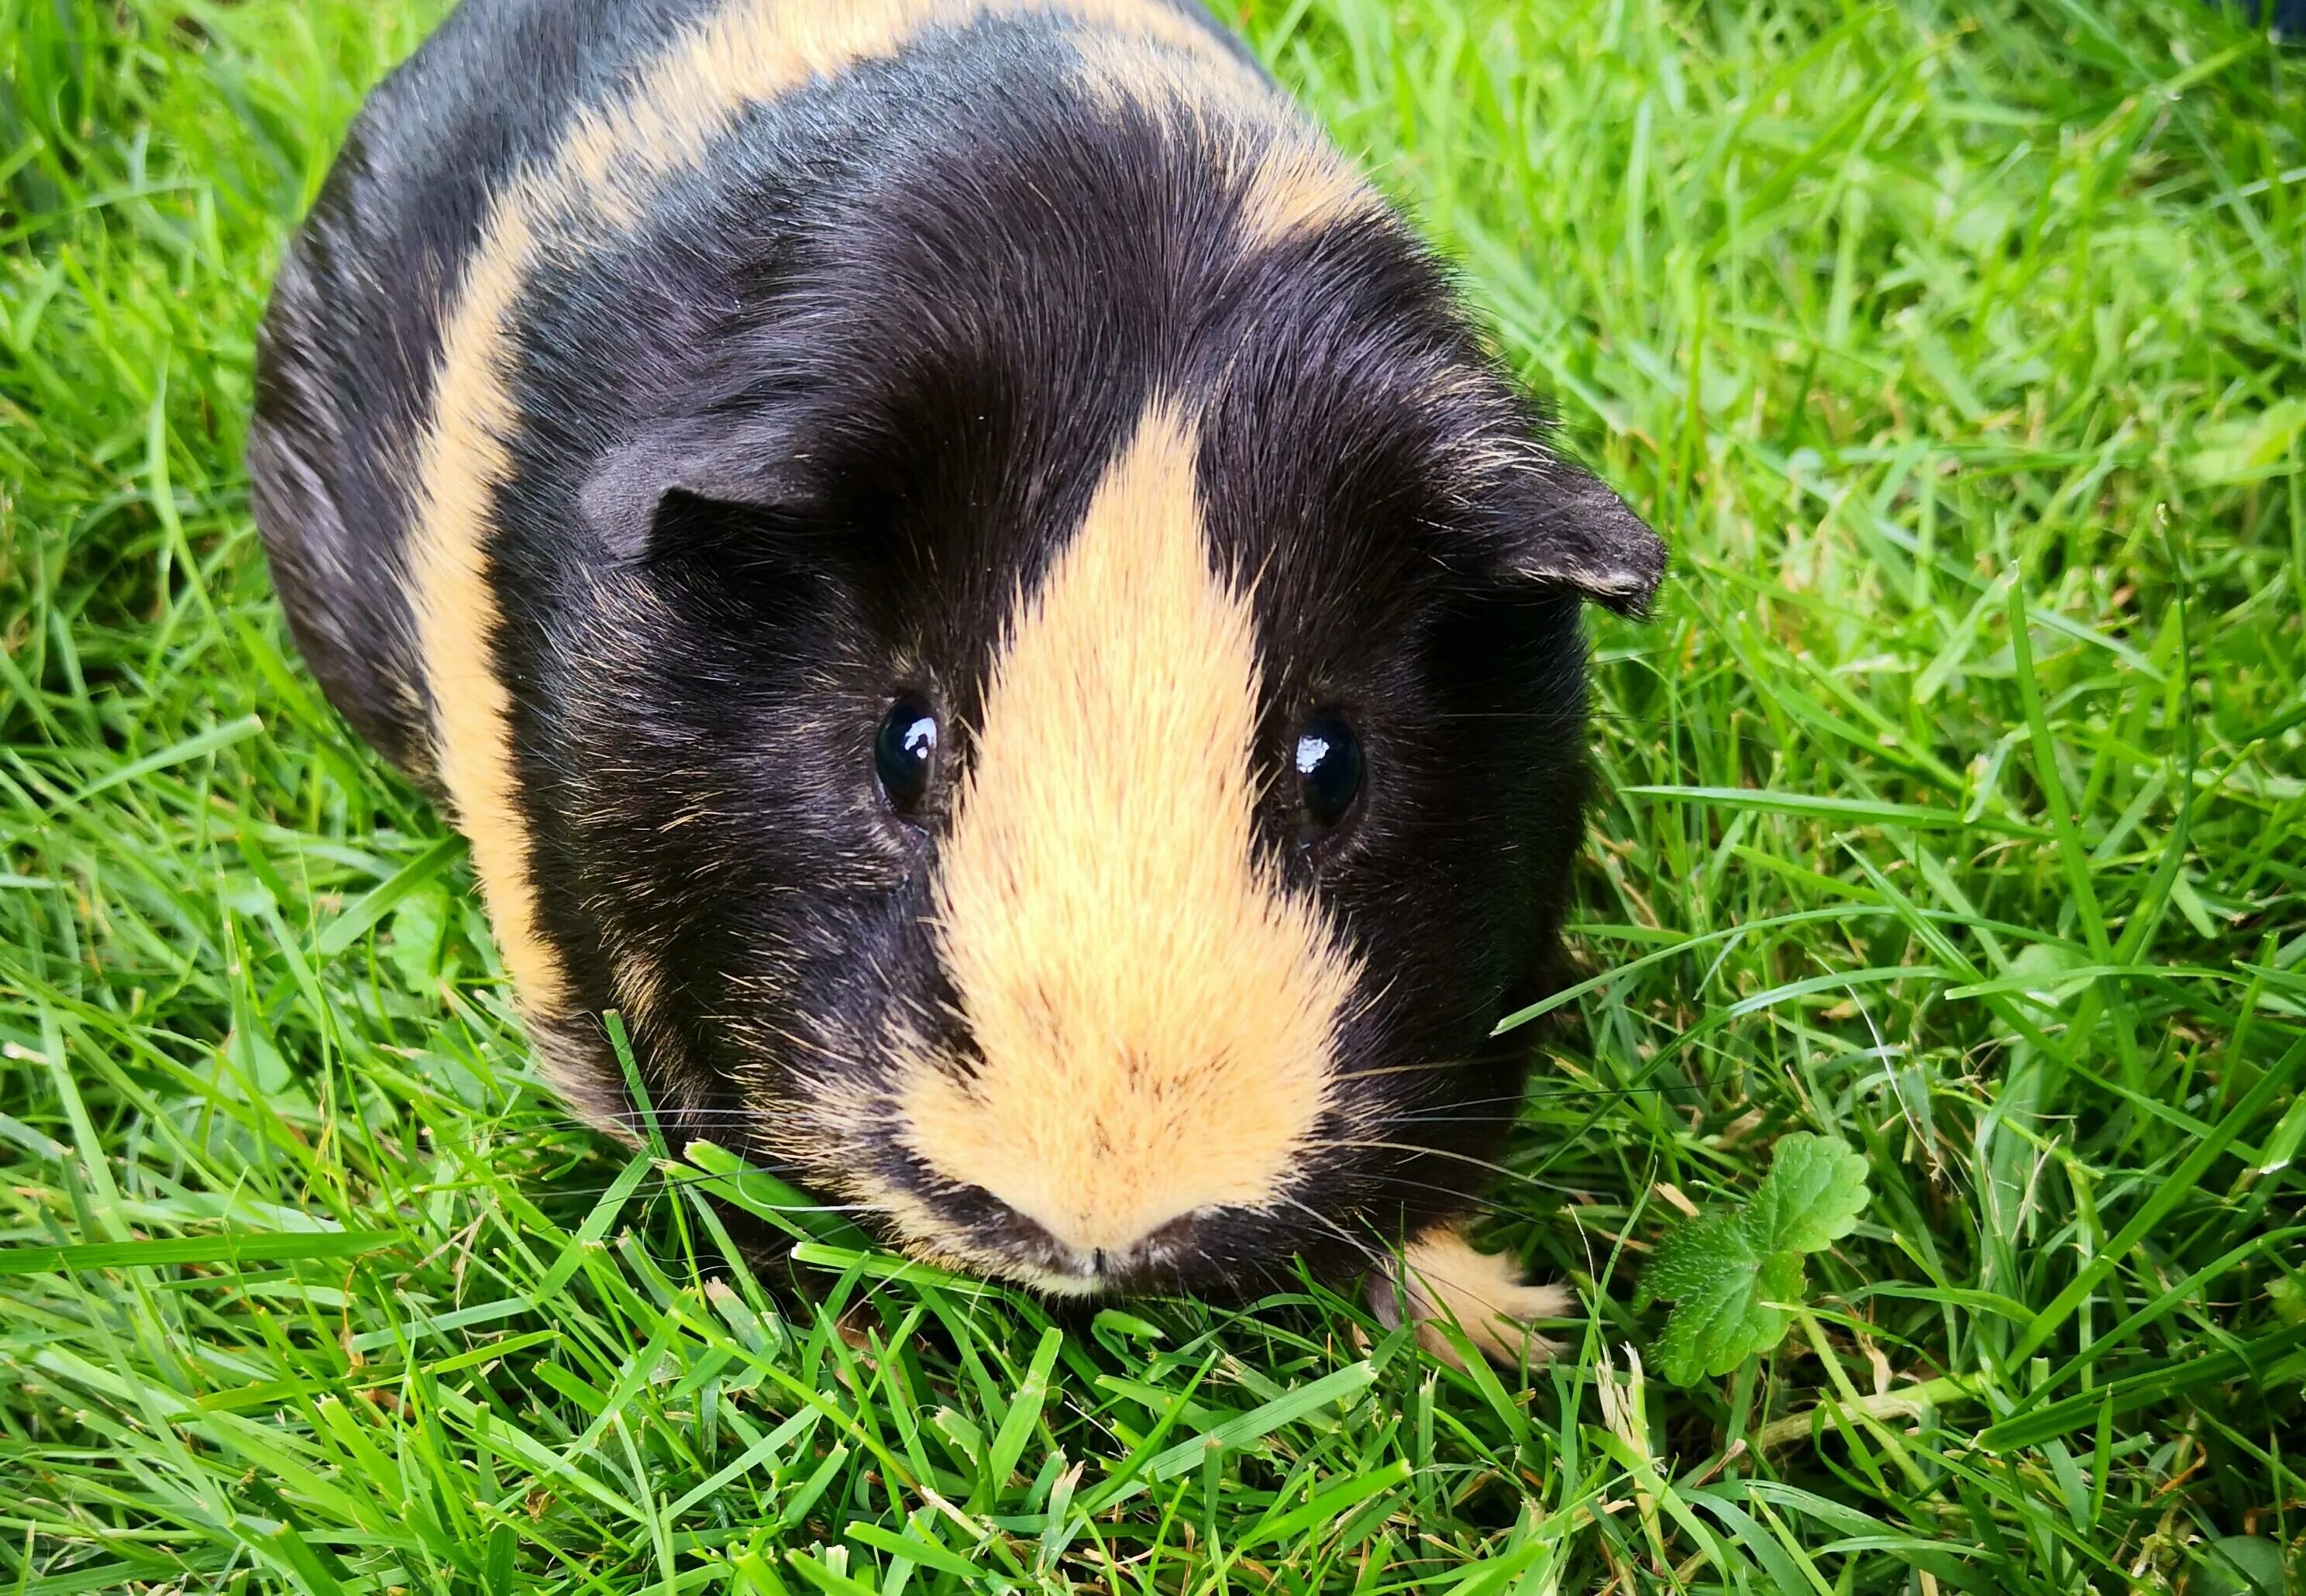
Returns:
<point x="904" y="751"/>
<point x="1328" y="767"/>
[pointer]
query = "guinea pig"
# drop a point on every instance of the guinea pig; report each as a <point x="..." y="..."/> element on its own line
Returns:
<point x="964" y="573"/>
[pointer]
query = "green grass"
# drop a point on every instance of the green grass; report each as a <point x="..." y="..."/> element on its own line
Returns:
<point x="1956" y="808"/>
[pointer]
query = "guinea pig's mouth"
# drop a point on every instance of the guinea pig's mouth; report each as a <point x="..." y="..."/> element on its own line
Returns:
<point x="1215" y="1252"/>
<point x="1022" y="1249"/>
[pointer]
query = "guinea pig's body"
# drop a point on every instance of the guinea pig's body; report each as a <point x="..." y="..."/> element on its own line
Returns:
<point x="963" y="572"/>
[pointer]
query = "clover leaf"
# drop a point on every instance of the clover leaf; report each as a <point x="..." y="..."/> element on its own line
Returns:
<point x="1734" y="1278"/>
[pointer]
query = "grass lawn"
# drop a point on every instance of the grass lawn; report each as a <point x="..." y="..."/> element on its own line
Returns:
<point x="1955" y="807"/>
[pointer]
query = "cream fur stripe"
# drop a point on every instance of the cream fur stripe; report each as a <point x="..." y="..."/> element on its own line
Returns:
<point x="1154" y="1013"/>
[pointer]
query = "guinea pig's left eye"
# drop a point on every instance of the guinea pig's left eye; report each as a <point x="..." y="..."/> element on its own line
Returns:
<point x="1328" y="767"/>
<point x="905" y="751"/>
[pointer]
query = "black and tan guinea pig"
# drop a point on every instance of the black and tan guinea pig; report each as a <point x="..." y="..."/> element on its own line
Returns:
<point x="964" y="573"/>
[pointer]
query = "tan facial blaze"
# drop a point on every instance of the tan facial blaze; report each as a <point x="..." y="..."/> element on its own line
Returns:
<point x="1154" y="1013"/>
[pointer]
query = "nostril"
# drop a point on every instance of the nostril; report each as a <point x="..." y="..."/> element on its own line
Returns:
<point x="1172" y="1231"/>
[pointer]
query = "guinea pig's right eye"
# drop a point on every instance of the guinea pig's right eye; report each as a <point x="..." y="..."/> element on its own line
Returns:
<point x="904" y="753"/>
<point x="1329" y="760"/>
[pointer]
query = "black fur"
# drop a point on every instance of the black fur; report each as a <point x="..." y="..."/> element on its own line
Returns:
<point x="796" y="441"/>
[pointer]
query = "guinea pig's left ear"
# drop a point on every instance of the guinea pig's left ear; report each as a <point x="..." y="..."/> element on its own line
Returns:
<point x="690" y="465"/>
<point x="1566" y="527"/>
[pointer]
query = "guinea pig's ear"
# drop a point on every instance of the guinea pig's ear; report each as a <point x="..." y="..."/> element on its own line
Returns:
<point x="678" y="477"/>
<point x="1564" y="527"/>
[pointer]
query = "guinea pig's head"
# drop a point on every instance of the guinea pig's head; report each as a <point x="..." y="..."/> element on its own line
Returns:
<point x="1096" y="705"/>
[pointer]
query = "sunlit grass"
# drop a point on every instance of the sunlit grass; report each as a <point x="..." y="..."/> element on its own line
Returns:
<point x="1954" y="806"/>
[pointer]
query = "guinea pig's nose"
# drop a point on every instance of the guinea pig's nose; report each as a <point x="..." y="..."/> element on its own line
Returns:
<point x="1041" y="1255"/>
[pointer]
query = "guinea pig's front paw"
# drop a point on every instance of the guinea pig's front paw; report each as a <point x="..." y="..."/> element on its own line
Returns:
<point x="1440" y="1279"/>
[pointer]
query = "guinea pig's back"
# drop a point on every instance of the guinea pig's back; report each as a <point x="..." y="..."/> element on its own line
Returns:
<point x="350" y="350"/>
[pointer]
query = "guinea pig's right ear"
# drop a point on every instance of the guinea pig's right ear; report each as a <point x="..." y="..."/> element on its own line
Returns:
<point x="1564" y="527"/>
<point x="679" y="478"/>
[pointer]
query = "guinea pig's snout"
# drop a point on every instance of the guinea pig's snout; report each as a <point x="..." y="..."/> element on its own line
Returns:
<point x="1032" y="1252"/>
<point x="1086" y="1181"/>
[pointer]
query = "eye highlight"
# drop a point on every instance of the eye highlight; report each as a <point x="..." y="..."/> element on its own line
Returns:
<point x="1328" y="761"/>
<point x="904" y="752"/>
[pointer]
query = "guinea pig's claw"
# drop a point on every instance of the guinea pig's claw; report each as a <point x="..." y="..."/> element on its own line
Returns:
<point x="1439" y="1279"/>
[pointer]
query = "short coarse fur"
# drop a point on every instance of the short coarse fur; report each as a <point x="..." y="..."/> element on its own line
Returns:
<point x="662" y="389"/>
